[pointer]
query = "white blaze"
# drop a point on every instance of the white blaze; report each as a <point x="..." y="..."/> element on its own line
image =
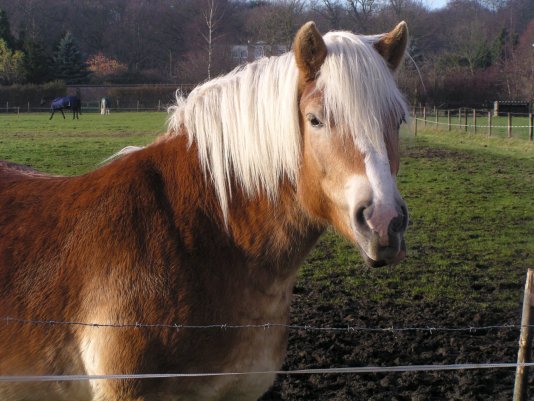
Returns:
<point x="385" y="194"/>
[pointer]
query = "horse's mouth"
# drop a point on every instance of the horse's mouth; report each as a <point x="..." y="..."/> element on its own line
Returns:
<point x="389" y="257"/>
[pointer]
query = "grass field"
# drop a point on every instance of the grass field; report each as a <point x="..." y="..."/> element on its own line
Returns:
<point x="471" y="201"/>
<point x="74" y="146"/>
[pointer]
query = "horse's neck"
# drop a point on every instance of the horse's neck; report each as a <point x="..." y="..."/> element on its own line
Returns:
<point x="264" y="232"/>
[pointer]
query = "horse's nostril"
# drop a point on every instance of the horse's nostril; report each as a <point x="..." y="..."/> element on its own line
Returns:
<point x="398" y="224"/>
<point x="360" y="217"/>
<point x="395" y="226"/>
<point x="363" y="214"/>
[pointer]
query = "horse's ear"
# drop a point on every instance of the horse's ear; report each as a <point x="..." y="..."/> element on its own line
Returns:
<point x="310" y="51"/>
<point x="392" y="45"/>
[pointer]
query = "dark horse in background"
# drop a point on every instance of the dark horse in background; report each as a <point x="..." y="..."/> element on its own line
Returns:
<point x="67" y="103"/>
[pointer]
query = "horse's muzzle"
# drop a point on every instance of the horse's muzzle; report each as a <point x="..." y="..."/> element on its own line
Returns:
<point x="383" y="229"/>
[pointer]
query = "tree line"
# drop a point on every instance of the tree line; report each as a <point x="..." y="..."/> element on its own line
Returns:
<point x="467" y="53"/>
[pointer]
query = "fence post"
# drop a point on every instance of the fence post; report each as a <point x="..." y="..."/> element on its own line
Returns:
<point x="525" y="342"/>
<point x="137" y="104"/>
<point x="459" y="117"/>
<point x="415" y="122"/>
<point x="448" y="120"/>
<point x="424" y="115"/>
<point x="465" y="120"/>
<point x="7" y="107"/>
<point x="437" y="115"/>
<point x="475" y="120"/>
<point x="509" y="125"/>
<point x="28" y="107"/>
<point x="531" y="123"/>
<point x="489" y="122"/>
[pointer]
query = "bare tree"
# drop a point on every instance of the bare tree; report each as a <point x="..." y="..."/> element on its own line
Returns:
<point x="276" y="22"/>
<point x="212" y="18"/>
<point x="518" y="68"/>
<point x="332" y="10"/>
<point x="361" y="12"/>
<point x="494" y="4"/>
<point x="397" y="6"/>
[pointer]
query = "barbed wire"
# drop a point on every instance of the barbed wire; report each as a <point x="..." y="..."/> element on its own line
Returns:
<point x="264" y="326"/>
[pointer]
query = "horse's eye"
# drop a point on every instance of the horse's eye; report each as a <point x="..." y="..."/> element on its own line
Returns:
<point x="314" y="121"/>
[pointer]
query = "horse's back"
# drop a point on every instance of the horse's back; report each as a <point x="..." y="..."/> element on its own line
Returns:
<point x="66" y="102"/>
<point x="18" y="181"/>
<point x="9" y="167"/>
<point x="59" y="102"/>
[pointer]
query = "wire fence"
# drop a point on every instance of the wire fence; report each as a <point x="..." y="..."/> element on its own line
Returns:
<point x="266" y="326"/>
<point x="263" y="326"/>
<point x="508" y="124"/>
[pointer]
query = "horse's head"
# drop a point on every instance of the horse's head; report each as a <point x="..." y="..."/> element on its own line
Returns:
<point x="350" y="113"/>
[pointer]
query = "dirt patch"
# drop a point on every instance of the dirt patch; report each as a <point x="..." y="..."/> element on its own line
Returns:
<point x="311" y="349"/>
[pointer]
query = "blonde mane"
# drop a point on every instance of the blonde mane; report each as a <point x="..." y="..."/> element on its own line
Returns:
<point x="246" y="123"/>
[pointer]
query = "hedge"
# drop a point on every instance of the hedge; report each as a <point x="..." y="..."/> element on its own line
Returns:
<point x="148" y="96"/>
<point x="31" y="95"/>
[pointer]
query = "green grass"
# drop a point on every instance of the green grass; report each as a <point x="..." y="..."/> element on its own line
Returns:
<point x="471" y="201"/>
<point x="69" y="146"/>
<point x="115" y="123"/>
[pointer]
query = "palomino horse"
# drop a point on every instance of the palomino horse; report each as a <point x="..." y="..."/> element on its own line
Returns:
<point x="206" y="226"/>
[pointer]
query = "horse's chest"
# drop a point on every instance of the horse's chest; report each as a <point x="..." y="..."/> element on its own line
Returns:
<point x="260" y="352"/>
<point x="252" y="349"/>
<point x="245" y="346"/>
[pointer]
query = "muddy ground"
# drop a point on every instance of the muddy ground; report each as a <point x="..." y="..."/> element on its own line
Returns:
<point x="311" y="349"/>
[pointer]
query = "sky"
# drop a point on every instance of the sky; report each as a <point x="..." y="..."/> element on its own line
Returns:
<point x="433" y="4"/>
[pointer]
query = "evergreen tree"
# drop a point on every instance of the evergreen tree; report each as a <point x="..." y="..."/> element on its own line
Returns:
<point x="36" y="62"/>
<point x="5" y="30"/>
<point x="68" y="62"/>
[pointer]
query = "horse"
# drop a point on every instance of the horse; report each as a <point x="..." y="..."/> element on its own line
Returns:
<point x="67" y="102"/>
<point x="168" y="258"/>
<point x="105" y="104"/>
